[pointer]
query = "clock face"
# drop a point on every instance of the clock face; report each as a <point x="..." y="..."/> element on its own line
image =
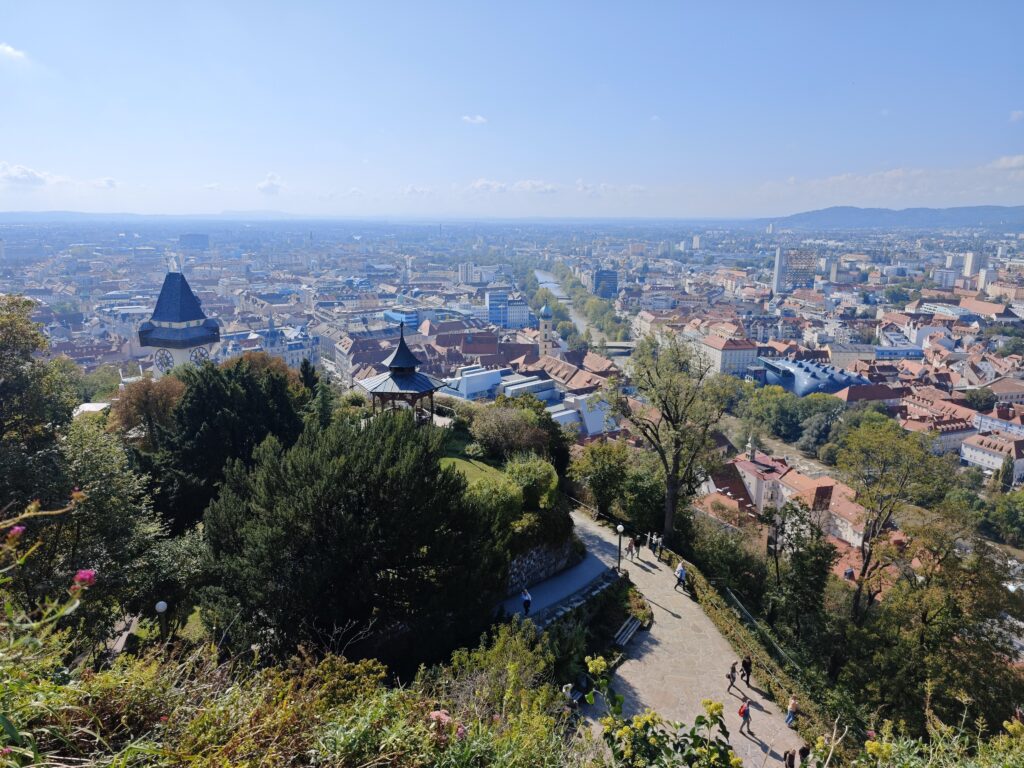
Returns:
<point x="199" y="355"/>
<point x="164" y="360"/>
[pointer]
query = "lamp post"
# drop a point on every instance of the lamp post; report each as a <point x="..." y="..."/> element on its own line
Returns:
<point x="161" y="611"/>
<point x="618" y="562"/>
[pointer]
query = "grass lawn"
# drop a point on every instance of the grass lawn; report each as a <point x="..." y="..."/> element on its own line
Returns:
<point x="455" y="456"/>
<point x="471" y="468"/>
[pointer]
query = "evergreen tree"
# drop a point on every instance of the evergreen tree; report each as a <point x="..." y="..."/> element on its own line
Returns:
<point x="354" y="526"/>
<point x="308" y="375"/>
<point x="222" y="416"/>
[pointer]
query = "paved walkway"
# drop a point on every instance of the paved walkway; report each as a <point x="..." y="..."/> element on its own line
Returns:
<point x="683" y="659"/>
<point x="560" y="587"/>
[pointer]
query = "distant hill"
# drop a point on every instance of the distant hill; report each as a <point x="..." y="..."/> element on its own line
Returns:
<point x="849" y="217"/>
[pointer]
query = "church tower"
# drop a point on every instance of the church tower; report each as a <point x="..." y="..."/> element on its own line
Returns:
<point x="178" y="330"/>
<point x="547" y="331"/>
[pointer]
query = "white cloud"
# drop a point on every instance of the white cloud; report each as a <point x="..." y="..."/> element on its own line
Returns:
<point x="1008" y="163"/>
<point x="212" y="186"/>
<point x="413" y="190"/>
<point x="594" y="190"/>
<point x="271" y="185"/>
<point x="474" y="119"/>
<point x="534" y="185"/>
<point x="1017" y="115"/>
<point x="23" y="176"/>
<point x="8" y="51"/>
<point x="487" y="186"/>
<point x="105" y="183"/>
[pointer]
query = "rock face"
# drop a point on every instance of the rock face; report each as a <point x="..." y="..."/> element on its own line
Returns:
<point x="541" y="562"/>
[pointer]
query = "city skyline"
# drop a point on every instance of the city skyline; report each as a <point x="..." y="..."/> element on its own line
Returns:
<point x="464" y="111"/>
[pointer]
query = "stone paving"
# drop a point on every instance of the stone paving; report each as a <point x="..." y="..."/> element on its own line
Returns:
<point x="683" y="659"/>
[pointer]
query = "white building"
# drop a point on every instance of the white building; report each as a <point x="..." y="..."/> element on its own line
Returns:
<point x="989" y="450"/>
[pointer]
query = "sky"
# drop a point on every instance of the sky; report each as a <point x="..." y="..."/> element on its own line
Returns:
<point x="509" y="109"/>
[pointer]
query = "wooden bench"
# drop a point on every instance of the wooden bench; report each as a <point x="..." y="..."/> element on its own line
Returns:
<point x="626" y="631"/>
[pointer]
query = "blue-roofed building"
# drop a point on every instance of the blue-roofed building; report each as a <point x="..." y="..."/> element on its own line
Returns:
<point x="803" y="377"/>
<point x="178" y="330"/>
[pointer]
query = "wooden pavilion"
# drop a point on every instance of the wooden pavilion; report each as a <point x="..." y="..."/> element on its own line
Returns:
<point x="403" y="386"/>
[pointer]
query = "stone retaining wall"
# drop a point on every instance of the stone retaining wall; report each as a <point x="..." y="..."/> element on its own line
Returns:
<point x="541" y="563"/>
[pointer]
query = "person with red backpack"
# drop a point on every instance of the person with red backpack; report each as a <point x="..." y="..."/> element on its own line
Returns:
<point x="744" y="713"/>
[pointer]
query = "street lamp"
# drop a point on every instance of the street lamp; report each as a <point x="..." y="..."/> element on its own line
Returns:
<point x="161" y="610"/>
<point x="618" y="563"/>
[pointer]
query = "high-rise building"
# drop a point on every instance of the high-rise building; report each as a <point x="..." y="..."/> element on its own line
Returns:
<point x="793" y="269"/>
<point x="606" y="283"/>
<point x="945" y="278"/>
<point x="779" y="272"/>
<point x="770" y="229"/>
<point x="496" y="301"/>
<point x="973" y="261"/>
<point x="696" y="242"/>
<point x="983" y="277"/>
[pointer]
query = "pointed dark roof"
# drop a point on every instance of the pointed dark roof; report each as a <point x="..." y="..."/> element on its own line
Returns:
<point x="178" y="320"/>
<point x="545" y="312"/>
<point x="177" y="303"/>
<point x="402" y="358"/>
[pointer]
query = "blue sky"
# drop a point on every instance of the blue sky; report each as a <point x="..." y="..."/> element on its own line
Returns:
<point x="512" y="109"/>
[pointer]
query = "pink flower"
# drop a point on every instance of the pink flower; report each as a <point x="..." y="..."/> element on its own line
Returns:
<point x="5" y="751"/>
<point x="440" y="716"/>
<point x="15" y="533"/>
<point x="460" y="732"/>
<point x="83" y="579"/>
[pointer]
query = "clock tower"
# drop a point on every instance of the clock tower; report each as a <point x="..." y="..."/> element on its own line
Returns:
<point x="178" y="332"/>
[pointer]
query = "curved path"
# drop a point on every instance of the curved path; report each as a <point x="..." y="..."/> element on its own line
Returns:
<point x="683" y="659"/>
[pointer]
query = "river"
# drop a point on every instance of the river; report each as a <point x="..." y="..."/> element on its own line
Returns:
<point x="549" y="281"/>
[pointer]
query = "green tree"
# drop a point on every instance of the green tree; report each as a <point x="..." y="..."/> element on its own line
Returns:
<point x="1006" y="474"/>
<point x="558" y="442"/>
<point x="536" y="478"/>
<point x="945" y="623"/>
<point x="308" y="375"/>
<point x="888" y="469"/>
<point x="602" y="467"/>
<point x="223" y="414"/>
<point x="800" y="562"/>
<point x="678" y="403"/>
<point x="112" y="530"/>
<point x="981" y="399"/>
<point x="355" y="526"/>
<point x="776" y="409"/>
<point x="36" y="402"/>
<point x="643" y="492"/>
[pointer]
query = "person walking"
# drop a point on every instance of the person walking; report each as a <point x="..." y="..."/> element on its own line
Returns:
<point x="744" y="713"/>
<point x="637" y="546"/>
<point x="791" y="711"/>
<point x="629" y="548"/>
<point x="746" y="666"/>
<point x="527" y="598"/>
<point x="804" y="754"/>
<point x="652" y="542"/>
<point x="680" y="576"/>
<point x="731" y="676"/>
<point x="789" y="758"/>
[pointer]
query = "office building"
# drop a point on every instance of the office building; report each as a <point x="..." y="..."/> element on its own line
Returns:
<point x="973" y="262"/>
